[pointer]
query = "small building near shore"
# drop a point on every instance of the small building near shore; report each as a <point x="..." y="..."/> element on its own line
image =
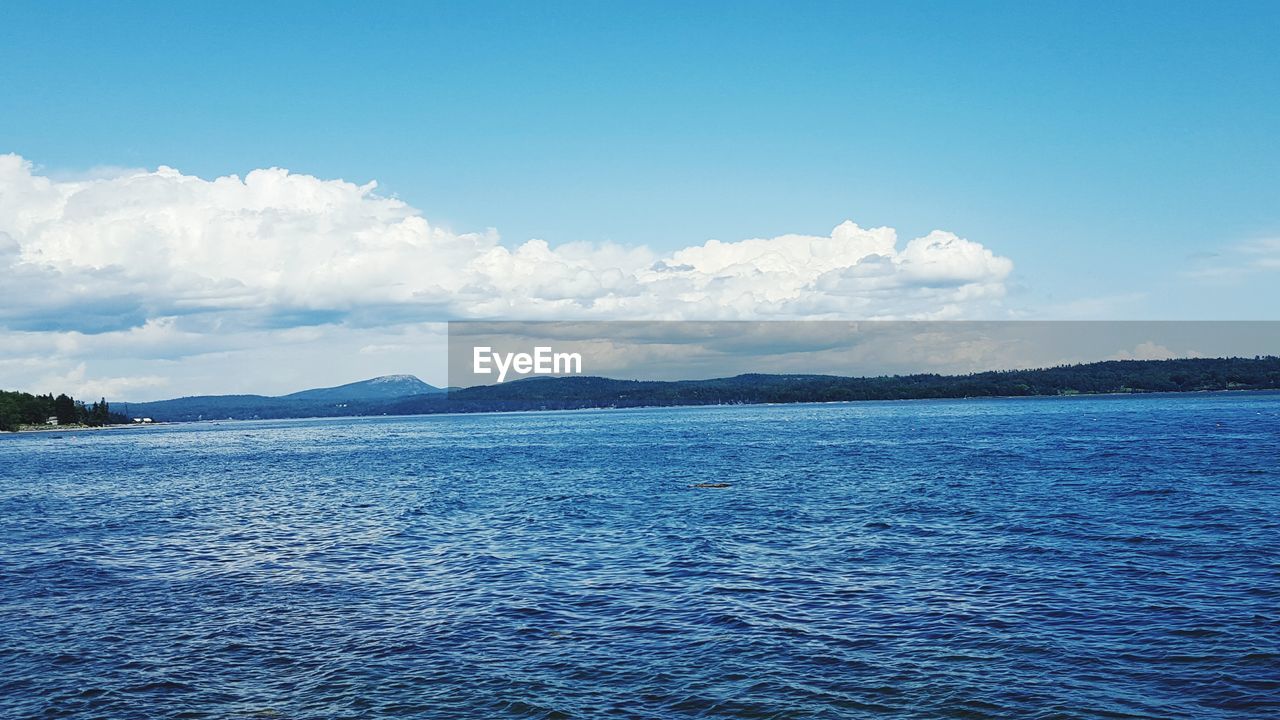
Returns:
<point x="52" y="420"/>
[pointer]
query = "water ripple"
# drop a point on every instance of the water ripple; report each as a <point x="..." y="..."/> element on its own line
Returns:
<point x="1041" y="558"/>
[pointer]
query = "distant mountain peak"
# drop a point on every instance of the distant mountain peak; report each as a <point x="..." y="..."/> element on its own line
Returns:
<point x="379" y="388"/>
<point x="394" y="379"/>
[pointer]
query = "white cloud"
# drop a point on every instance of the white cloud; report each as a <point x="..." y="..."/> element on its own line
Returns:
<point x="281" y="247"/>
<point x="1236" y="263"/>
<point x="1264" y="253"/>
<point x="166" y="265"/>
<point x="1151" y="350"/>
<point x="75" y="383"/>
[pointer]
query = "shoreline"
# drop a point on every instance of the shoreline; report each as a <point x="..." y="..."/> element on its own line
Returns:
<point x="602" y="408"/>
<point x="80" y="428"/>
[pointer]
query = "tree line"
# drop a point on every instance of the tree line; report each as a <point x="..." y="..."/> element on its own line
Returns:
<point x="562" y="393"/>
<point x="21" y="408"/>
<point x="1115" y="376"/>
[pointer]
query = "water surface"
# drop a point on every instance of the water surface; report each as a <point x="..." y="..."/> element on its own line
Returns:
<point x="1036" y="558"/>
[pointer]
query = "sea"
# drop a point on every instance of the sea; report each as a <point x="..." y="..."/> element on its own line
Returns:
<point x="1082" y="557"/>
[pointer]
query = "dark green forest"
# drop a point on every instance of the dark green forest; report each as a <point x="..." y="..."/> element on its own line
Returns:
<point x="1116" y="376"/>
<point x="20" y="408"/>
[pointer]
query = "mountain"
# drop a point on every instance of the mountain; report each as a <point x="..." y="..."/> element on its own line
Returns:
<point x="366" y="397"/>
<point x="377" y="396"/>
<point x="379" y="388"/>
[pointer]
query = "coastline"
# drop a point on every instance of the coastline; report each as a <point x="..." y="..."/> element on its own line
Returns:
<point x="608" y="408"/>
<point x="80" y="428"/>
<point x="586" y="392"/>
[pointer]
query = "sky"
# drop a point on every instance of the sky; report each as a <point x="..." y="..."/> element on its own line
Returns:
<point x="264" y="197"/>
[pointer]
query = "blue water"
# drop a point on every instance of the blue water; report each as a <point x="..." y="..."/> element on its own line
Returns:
<point x="1038" y="558"/>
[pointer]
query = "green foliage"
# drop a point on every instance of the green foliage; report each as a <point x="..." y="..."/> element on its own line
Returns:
<point x="66" y="410"/>
<point x="20" y="408"/>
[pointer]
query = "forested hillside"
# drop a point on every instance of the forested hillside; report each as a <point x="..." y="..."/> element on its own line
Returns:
<point x="1119" y="376"/>
<point x="20" y="408"/>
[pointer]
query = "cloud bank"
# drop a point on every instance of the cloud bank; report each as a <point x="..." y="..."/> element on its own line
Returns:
<point x="185" y="265"/>
<point x="289" y="248"/>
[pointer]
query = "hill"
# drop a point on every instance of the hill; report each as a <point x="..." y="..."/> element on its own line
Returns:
<point x="365" y="397"/>
<point x="563" y="393"/>
<point x="379" y="388"/>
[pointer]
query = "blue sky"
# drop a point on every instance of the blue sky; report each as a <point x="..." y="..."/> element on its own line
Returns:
<point x="1098" y="145"/>
<point x="1122" y="155"/>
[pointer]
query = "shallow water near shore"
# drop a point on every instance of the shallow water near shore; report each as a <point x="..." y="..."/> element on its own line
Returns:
<point x="1033" y="558"/>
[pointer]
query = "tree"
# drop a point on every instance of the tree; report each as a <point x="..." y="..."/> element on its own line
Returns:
<point x="100" y="413"/>
<point x="64" y="408"/>
<point x="10" y="415"/>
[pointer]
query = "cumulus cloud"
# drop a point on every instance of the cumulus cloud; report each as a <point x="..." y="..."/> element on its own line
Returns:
<point x="275" y="248"/>
<point x="167" y="265"/>
<point x="1150" y="350"/>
